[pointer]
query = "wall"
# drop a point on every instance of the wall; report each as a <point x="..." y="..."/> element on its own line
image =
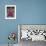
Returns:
<point x="6" y="26"/>
<point x="31" y="11"/>
<point x="28" y="12"/>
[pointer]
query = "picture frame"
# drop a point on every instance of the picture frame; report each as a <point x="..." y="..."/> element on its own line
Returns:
<point x="10" y="11"/>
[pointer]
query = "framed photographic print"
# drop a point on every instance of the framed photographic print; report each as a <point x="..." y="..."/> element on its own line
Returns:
<point x="10" y="11"/>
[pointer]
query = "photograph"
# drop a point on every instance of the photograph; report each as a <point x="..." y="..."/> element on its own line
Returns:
<point x="10" y="11"/>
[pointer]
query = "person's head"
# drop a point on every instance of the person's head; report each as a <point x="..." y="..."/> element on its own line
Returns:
<point x="10" y="9"/>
